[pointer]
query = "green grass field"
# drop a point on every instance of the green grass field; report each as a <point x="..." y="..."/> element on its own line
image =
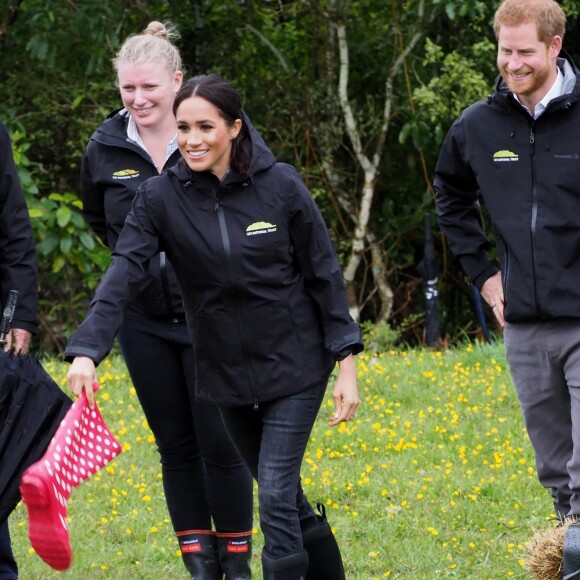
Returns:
<point x="434" y="479"/>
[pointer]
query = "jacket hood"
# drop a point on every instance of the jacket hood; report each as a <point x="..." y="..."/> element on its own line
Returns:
<point x="262" y="156"/>
<point x="571" y="74"/>
<point x="113" y="129"/>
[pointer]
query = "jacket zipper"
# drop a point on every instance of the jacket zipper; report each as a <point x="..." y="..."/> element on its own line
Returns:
<point x="506" y="268"/>
<point x="228" y="252"/>
<point x="534" y="217"/>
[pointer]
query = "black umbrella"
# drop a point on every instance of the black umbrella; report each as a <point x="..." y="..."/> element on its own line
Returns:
<point x="480" y="312"/>
<point x="32" y="406"/>
<point x="429" y="269"/>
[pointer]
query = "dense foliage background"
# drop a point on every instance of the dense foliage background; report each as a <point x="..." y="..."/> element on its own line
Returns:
<point x="357" y="94"/>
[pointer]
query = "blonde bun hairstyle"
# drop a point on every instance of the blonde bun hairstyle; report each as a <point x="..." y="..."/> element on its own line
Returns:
<point x="156" y="41"/>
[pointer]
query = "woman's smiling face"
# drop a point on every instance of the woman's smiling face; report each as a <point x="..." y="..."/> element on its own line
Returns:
<point x="148" y="90"/>
<point x="204" y="137"/>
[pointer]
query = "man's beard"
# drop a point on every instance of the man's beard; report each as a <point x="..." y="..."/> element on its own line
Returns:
<point x="533" y="82"/>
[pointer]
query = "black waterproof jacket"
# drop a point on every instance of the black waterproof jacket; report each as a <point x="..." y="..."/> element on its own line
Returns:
<point x="17" y="253"/>
<point x="112" y="170"/>
<point x="264" y="296"/>
<point x="528" y="175"/>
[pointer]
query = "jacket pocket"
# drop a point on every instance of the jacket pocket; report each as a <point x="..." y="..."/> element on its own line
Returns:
<point x="273" y="343"/>
<point x="220" y="360"/>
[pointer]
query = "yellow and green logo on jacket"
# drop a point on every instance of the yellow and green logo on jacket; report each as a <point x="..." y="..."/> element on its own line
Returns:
<point x="505" y="155"/>
<point x="126" y="174"/>
<point x="260" y="228"/>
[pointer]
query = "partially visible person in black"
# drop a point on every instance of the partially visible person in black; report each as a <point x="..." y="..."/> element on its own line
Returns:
<point x="17" y="272"/>
<point x="265" y="304"/>
<point x="204" y="477"/>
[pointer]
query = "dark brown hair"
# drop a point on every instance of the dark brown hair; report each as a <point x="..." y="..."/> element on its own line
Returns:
<point x="222" y="95"/>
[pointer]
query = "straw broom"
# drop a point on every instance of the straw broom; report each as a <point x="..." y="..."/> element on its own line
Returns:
<point x="543" y="554"/>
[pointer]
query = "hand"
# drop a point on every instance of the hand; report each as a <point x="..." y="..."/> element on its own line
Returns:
<point x="19" y="339"/>
<point x="345" y="392"/>
<point x="82" y="375"/>
<point x="492" y="293"/>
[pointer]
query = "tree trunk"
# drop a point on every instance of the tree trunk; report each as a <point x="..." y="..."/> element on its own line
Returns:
<point x="370" y="166"/>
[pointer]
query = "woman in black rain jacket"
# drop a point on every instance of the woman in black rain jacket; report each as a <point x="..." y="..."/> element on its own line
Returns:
<point x="264" y="300"/>
<point x="208" y="488"/>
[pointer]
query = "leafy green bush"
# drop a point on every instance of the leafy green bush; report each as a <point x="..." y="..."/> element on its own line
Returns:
<point x="380" y="337"/>
<point x="71" y="260"/>
<point x="70" y="265"/>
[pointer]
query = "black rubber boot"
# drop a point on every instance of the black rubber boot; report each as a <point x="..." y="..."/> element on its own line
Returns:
<point x="571" y="552"/>
<point x="235" y="554"/>
<point x="200" y="555"/>
<point x="291" y="567"/>
<point x="325" y="561"/>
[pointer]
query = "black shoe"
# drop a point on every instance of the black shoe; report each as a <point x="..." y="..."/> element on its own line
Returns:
<point x="325" y="560"/>
<point x="235" y="555"/>
<point x="571" y="551"/>
<point x="291" y="567"/>
<point x="200" y="555"/>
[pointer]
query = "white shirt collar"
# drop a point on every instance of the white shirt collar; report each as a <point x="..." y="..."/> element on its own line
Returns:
<point x="133" y="135"/>
<point x="555" y="92"/>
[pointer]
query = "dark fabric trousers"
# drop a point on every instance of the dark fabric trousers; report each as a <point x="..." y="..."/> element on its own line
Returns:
<point x="204" y="478"/>
<point x="544" y="360"/>
<point x="8" y="567"/>
<point x="272" y="440"/>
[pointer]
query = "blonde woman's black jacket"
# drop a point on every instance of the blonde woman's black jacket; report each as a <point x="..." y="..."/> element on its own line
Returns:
<point x="17" y="253"/>
<point x="528" y="175"/>
<point x="263" y="292"/>
<point x="113" y="168"/>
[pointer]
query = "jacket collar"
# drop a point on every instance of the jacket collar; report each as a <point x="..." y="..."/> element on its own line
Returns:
<point x="570" y="86"/>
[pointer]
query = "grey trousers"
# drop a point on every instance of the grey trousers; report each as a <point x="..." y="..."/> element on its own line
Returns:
<point x="544" y="360"/>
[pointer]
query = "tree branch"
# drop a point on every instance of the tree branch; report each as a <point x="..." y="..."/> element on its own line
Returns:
<point x="274" y="50"/>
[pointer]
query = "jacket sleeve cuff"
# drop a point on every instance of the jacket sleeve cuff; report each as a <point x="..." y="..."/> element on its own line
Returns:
<point x="23" y="325"/>
<point x="349" y="344"/>
<point x="71" y="353"/>
<point x="481" y="278"/>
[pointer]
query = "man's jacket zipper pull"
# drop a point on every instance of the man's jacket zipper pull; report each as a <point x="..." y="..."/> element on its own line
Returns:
<point x="532" y="140"/>
<point x="256" y="406"/>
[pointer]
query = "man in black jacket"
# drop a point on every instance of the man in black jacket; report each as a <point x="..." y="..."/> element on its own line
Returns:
<point x="17" y="272"/>
<point x="520" y="150"/>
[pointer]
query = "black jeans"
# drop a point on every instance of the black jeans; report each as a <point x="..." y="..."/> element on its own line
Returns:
<point x="272" y="440"/>
<point x="8" y="567"/>
<point x="204" y="478"/>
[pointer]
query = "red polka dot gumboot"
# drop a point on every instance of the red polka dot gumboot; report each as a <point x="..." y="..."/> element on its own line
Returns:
<point x="81" y="446"/>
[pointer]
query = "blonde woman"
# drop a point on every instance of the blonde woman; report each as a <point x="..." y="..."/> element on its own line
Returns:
<point x="204" y="479"/>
